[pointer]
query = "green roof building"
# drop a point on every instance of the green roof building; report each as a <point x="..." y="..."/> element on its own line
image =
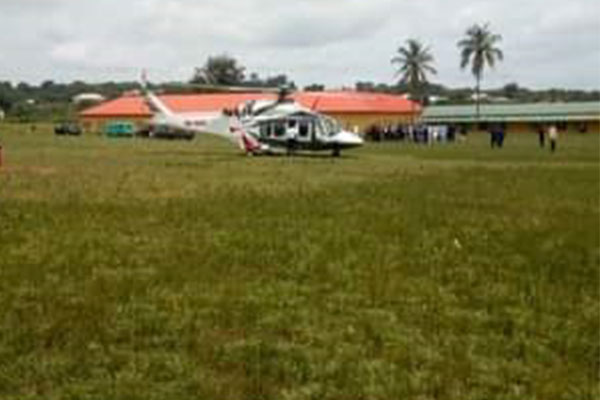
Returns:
<point x="573" y="117"/>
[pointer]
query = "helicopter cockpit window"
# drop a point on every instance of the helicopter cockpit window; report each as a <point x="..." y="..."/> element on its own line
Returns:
<point x="329" y="126"/>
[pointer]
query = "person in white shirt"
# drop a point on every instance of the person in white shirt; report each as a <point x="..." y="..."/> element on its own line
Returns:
<point x="553" y="136"/>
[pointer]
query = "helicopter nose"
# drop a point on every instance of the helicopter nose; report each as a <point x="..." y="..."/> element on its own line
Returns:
<point x="349" y="139"/>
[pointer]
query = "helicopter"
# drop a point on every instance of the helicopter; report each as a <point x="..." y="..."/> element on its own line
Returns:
<point x="260" y="127"/>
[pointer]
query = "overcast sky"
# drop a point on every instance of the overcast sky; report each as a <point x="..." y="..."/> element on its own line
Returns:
<point x="547" y="43"/>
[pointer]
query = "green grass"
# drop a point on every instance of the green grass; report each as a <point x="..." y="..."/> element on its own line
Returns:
<point x="134" y="269"/>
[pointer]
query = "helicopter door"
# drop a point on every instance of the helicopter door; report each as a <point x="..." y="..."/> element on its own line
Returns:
<point x="292" y="129"/>
<point x="306" y="131"/>
<point x="279" y="130"/>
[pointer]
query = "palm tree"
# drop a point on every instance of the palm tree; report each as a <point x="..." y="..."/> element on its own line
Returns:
<point x="478" y="48"/>
<point x="415" y="62"/>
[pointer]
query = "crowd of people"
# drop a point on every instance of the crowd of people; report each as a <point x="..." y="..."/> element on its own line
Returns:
<point x="498" y="132"/>
<point x="551" y="132"/>
<point x="416" y="133"/>
<point x="429" y="133"/>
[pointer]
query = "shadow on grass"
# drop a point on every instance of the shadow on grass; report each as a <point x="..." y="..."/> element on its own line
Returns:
<point x="216" y="156"/>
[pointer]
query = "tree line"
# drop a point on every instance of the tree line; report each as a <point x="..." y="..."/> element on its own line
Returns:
<point x="511" y="92"/>
<point x="51" y="100"/>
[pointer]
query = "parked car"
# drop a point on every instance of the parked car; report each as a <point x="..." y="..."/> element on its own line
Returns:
<point x="166" y="132"/>
<point x="119" y="129"/>
<point x="67" y="128"/>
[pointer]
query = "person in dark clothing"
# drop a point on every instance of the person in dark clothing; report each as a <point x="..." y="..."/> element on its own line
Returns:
<point x="451" y="133"/>
<point x="542" y="135"/>
<point x="493" y="136"/>
<point x="501" y="134"/>
<point x="496" y="135"/>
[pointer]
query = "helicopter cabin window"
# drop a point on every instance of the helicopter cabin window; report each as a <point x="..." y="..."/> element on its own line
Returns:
<point x="279" y="128"/>
<point x="266" y="130"/>
<point x="304" y="129"/>
<point x="292" y="123"/>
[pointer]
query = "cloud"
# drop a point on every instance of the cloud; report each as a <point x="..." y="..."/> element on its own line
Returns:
<point x="546" y="42"/>
<point x="322" y="23"/>
<point x="70" y="52"/>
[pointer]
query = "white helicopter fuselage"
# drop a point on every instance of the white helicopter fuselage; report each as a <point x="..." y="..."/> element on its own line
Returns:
<point x="260" y="127"/>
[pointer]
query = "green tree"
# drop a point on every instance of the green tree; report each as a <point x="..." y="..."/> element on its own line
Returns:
<point x="7" y="96"/>
<point x="365" y="86"/>
<point x="415" y="62"/>
<point x="511" y="90"/>
<point x="314" y="87"/>
<point x="219" y="70"/>
<point x="478" y="49"/>
<point x="279" y="81"/>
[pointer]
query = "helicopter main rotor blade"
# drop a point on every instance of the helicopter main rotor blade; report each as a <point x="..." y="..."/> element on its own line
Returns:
<point x="230" y="89"/>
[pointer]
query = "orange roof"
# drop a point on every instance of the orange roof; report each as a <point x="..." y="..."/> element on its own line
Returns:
<point x="326" y="102"/>
<point x="356" y="102"/>
<point x="122" y="106"/>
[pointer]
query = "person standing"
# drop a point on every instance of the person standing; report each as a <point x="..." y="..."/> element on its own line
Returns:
<point x="501" y="134"/>
<point x="542" y="135"/>
<point x="493" y="136"/>
<point x="496" y="135"/>
<point x="553" y="136"/>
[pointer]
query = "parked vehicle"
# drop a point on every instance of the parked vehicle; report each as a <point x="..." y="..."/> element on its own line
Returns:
<point x="67" y="128"/>
<point x="158" y="131"/>
<point x="119" y="129"/>
<point x="167" y="132"/>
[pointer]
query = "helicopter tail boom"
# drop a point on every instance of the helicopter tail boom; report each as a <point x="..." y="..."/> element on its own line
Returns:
<point x="156" y="105"/>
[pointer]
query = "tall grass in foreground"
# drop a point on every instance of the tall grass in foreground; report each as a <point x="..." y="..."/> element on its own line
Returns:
<point x="151" y="270"/>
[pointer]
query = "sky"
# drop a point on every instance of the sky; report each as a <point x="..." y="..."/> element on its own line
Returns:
<point x="546" y="43"/>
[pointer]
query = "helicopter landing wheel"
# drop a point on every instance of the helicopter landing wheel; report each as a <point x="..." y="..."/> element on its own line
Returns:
<point x="290" y="148"/>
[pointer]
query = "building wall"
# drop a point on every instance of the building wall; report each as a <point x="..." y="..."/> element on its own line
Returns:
<point x="568" y="127"/>
<point x="363" y="121"/>
<point x="590" y="127"/>
<point x="532" y="127"/>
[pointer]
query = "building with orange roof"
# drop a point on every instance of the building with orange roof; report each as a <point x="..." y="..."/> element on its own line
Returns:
<point x="355" y="110"/>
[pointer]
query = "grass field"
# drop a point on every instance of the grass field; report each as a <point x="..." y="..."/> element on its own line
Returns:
<point x="137" y="269"/>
